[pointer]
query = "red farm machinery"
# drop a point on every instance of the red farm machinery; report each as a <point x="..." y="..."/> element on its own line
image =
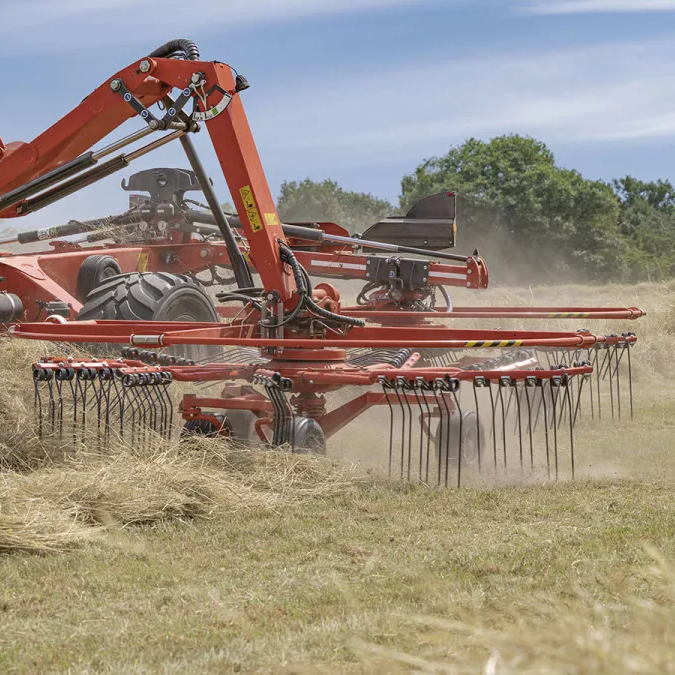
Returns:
<point x="286" y="360"/>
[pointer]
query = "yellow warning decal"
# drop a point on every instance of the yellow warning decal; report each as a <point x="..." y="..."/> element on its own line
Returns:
<point x="142" y="265"/>
<point x="251" y="208"/>
<point x="493" y="343"/>
<point x="272" y="219"/>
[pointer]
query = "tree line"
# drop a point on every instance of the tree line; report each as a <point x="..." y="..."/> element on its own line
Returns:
<point x="531" y="219"/>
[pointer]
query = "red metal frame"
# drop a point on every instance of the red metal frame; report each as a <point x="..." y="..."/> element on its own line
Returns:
<point x="313" y="358"/>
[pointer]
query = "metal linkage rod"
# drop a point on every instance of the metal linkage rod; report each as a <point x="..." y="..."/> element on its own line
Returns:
<point x="67" y="170"/>
<point x="240" y="268"/>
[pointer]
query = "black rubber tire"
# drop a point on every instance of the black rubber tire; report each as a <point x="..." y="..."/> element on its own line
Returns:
<point x="93" y="272"/>
<point x="154" y="296"/>
<point x="308" y="436"/>
<point x="204" y="428"/>
<point x="470" y="449"/>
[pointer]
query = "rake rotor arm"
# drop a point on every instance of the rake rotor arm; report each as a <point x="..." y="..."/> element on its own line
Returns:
<point x="177" y="333"/>
<point x="58" y="162"/>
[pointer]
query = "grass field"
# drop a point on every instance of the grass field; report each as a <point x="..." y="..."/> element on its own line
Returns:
<point x="222" y="561"/>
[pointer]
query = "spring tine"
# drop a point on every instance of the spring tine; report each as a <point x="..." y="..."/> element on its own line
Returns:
<point x="611" y="381"/>
<point x="478" y="425"/>
<point x="577" y="406"/>
<point x="425" y="387"/>
<point x="590" y="362"/>
<point x="530" y="382"/>
<point x="618" y="380"/>
<point x="442" y="434"/>
<point x="403" y="384"/>
<point x="630" y="379"/>
<point x="37" y="399"/>
<point x="444" y="388"/>
<point x="539" y="403"/>
<point x="416" y="387"/>
<point x="554" y="402"/>
<point x="571" y="421"/>
<point x="460" y="449"/>
<point x="540" y="383"/>
<point x="494" y="423"/>
<point x="400" y="402"/>
<point x="520" y="427"/>
<point x="385" y="391"/>
<point x="596" y="369"/>
<point x="272" y="396"/>
<point x="502" y="384"/>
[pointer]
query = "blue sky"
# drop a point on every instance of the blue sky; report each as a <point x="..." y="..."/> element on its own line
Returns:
<point x="363" y="90"/>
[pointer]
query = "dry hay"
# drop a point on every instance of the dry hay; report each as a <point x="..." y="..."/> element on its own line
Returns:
<point x="61" y="506"/>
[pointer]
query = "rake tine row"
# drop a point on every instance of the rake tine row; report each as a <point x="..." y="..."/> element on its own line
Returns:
<point x="138" y="404"/>
<point x="435" y="439"/>
<point x="283" y="424"/>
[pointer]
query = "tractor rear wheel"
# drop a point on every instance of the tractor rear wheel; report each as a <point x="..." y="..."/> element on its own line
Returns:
<point x="93" y="272"/>
<point x="154" y="296"/>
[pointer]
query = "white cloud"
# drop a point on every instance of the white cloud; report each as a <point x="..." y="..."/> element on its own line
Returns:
<point x="611" y="93"/>
<point x="553" y="7"/>
<point x="53" y="25"/>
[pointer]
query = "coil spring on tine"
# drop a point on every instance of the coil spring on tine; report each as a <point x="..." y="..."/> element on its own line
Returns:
<point x="42" y="374"/>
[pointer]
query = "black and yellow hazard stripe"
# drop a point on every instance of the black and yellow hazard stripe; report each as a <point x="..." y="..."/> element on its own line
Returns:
<point x="569" y="315"/>
<point x="493" y="343"/>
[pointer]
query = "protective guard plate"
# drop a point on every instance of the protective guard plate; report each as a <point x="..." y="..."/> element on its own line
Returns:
<point x="430" y="224"/>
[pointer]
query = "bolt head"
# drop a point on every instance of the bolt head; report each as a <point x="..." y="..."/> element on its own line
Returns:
<point x="115" y="85"/>
<point x="153" y="124"/>
<point x="144" y="66"/>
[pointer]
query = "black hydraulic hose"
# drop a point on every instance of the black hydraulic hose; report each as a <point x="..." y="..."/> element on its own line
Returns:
<point x="174" y="47"/>
<point x="300" y="275"/>
<point x="332" y="316"/>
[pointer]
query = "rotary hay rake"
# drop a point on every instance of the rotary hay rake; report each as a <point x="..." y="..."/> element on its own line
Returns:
<point x="486" y="418"/>
<point x="295" y="364"/>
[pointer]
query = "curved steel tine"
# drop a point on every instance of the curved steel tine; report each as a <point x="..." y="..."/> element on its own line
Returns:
<point x="569" y="402"/>
<point x="494" y="423"/>
<point x="444" y="390"/>
<point x="618" y="381"/>
<point x="426" y="387"/>
<point x="554" y="402"/>
<point x="590" y="360"/>
<point x="501" y="401"/>
<point x="405" y="387"/>
<point x="460" y="448"/>
<point x="441" y="433"/>
<point x="530" y="382"/>
<point x="385" y="391"/>
<point x="630" y="379"/>
<point x="540" y="383"/>
<point x="520" y="427"/>
<point x="400" y="403"/>
<point x="478" y="425"/>
<point x="416" y="388"/>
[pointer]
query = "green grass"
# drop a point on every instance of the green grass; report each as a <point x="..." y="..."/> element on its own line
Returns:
<point x="267" y="565"/>
<point x="554" y="577"/>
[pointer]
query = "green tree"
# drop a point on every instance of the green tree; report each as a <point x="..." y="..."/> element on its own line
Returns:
<point x="309" y="201"/>
<point x="647" y="220"/>
<point x="532" y="219"/>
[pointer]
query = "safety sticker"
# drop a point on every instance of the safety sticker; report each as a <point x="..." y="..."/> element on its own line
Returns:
<point x="272" y="219"/>
<point x="251" y="208"/>
<point x="142" y="262"/>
